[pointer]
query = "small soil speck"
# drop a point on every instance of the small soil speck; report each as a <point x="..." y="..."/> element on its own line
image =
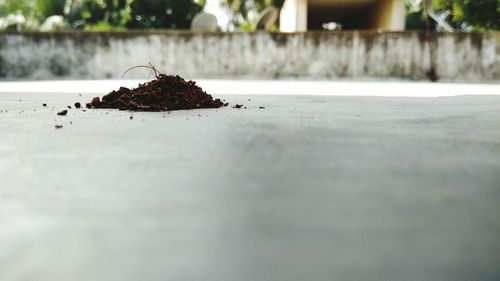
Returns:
<point x="62" y="113"/>
<point x="58" y="126"/>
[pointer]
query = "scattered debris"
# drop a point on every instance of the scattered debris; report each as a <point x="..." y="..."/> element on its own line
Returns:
<point x="262" y="107"/>
<point x="62" y="113"/>
<point x="69" y="107"/>
<point x="165" y="93"/>
<point x="58" y="126"/>
<point x="131" y="117"/>
<point x="78" y="105"/>
<point x="44" y="104"/>
<point x="238" y="106"/>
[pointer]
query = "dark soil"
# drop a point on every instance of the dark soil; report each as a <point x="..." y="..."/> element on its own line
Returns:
<point x="78" y="105"/>
<point x="165" y="93"/>
<point x="62" y="113"/>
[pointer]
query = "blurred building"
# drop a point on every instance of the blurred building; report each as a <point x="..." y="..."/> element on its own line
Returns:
<point x="302" y="15"/>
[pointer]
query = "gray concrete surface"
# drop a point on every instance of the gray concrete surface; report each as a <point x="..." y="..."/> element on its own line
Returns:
<point x="309" y="188"/>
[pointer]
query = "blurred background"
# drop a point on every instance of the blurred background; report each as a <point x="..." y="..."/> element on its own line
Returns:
<point x="446" y="40"/>
<point x="106" y="15"/>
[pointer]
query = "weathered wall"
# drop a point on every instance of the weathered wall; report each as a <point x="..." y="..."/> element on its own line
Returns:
<point x="457" y="56"/>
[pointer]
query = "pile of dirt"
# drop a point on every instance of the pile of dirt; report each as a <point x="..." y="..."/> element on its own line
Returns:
<point x="165" y="93"/>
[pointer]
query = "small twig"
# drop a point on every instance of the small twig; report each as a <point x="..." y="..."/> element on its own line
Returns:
<point x="150" y="66"/>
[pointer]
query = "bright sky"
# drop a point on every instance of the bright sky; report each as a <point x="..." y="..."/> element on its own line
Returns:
<point x="213" y="7"/>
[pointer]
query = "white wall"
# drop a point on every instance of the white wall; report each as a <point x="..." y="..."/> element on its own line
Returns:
<point x="458" y="56"/>
<point x="293" y="16"/>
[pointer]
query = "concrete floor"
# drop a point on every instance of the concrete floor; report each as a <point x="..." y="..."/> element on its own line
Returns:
<point x="309" y="188"/>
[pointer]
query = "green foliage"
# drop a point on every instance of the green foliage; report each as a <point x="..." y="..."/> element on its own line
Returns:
<point x="101" y="15"/>
<point x="103" y="26"/>
<point x="164" y="13"/>
<point x="112" y="13"/>
<point x="478" y="14"/>
<point x="415" y="20"/>
<point x="23" y="7"/>
<point x="475" y="15"/>
<point x="32" y="9"/>
<point x="16" y="15"/>
<point x="46" y="8"/>
<point x="244" y="13"/>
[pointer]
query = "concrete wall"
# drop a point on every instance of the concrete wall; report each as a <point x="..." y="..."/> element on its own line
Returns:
<point x="457" y="56"/>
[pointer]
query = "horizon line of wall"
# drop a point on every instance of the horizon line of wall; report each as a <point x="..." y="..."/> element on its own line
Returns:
<point x="458" y="57"/>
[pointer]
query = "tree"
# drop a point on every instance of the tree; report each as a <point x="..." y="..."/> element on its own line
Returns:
<point x="28" y="14"/>
<point x="23" y="7"/>
<point x="46" y="8"/>
<point x="141" y="14"/>
<point x="244" y="13"/>
<point x="476" y="14"/>
<point x="98" y="14"/>
<point x="468" y="15"/>
<point x="164" y="13"/>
